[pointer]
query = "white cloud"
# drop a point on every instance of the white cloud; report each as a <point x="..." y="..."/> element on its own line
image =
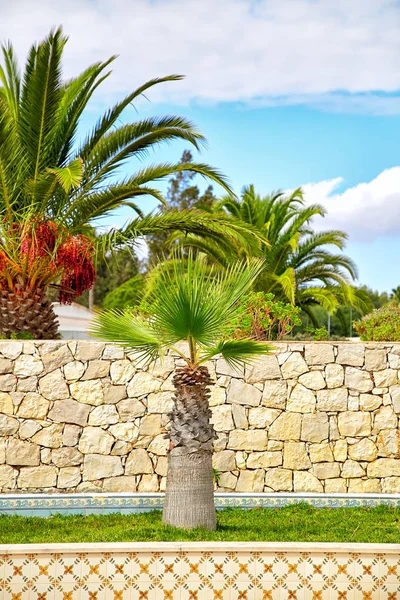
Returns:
<point x="366" y="211"/>
<point x="334" y="54"/>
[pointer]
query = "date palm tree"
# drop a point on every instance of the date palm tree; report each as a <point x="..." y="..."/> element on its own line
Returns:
<point x="55" y="187"/>
<point x="193" y="303"/>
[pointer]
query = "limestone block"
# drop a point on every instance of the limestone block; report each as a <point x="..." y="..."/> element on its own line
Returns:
<point x="6" y="404"/>
<point x="37" y="477"/>
<point x="45" y="456"/>
<point x="8" y="477"/>
<point x="148" y="483"/>
<point x="369" y="402"/>
<point x="394" y="391"/>
<point x="243" y="393"/>
<point x="94" y="440"/>
<point x="27" y="384"/>
<point x="224" y="461"/>
<point x="113" y="393"/>
<point x="126" y="432"/>
<point x="162" y="402"/>
<point x="263" y="460"/>
<point x="26" y="365"/>
<point x="351" y="354"/>
<point x="295" y="456"/>
<point x="261" y="417"/>
<point x="354" y="424"/>
<point x="375" y="360"/>
<point x="103" y="415"/>
<point x="143" y="383"/>
<point x="88" y="392"/>
<point x="161" y="467"/>
<point x="315" y="427"/>
<point x="274" y="394"/>
<point x="364" y="450"/>
<point x="319" y="354"/>
<point x="334" y="399"/>
<point x="121" y="448"/>
<point x="384" y="467"/>
<point x="334" y="375"/>
<point x="66" y="457"/>
<point x="388" y="443"/>
<point x="33" y="406"/>
<point x="96" y="369"/>
<point x="286" y="427"/>
<point x="391" y="485"/>
<point x="21" y="453"/>
<point x="313" y="380"/>
<point x="394" y="361"/>
<point x="50" y="437"/>
<point x="320" y="453"/>
<point x="138" y="462"/>
<point x="8" y="425"/>
<point x="130" y="409"/>
<point x="358" y="380"/>
<point x="263" y="368"/>
<point x="97" y="466"/>
<point x="7" y="382"/>
<point x="294" y="366"/>
<point x="218" y="395"/>
<point x="11" y="349"/>
<point x="326" y="470"/>
<point x="28" y="429"/>
<point x="241" y="458"/>
<point x="53" y="386"/>
<point x="151" y="425"/>
<point x="280" y="480"/>
<point x="239" y="416"/>
<point x="364" y="486"/>
<point x="304" y="481"/>
<point x="125" y="483"/>
<point x="121" y="371"/>
<point x="54" y="359"/>
<point x="352" y="468"/>
<point x="69" y="411"/>
<point x="252" y="439"/>
<point x="251" y="481"/>
<point x="163" y="368"/>
<point x="335" y="486"/>
<point x="74" y="370"/>
<point x="385" y="418"/>
<point x="340" y="450"/>
<point x="6" y="365"/>
<point x="160" y="444"/>
<point x="88" y="350"/>
<point x="89" y="486"/>
<point x="301" y="400"/>
<point x="113" y="352"/>
<point x="227" y="481"/>
<point x="220" y="442"/>
<point x="69" y="477"/>
<point x="385" y="378"/>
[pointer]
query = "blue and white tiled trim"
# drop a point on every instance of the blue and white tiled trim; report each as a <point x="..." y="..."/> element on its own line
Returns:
<point x="44" y="505"/>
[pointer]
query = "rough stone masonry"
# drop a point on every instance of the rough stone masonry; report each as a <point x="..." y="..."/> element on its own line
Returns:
<point x="312" y="417"/>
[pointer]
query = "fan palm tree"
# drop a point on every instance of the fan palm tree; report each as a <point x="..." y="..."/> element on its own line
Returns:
<point x="54" y="187"/>
<point x="193" y="303"/>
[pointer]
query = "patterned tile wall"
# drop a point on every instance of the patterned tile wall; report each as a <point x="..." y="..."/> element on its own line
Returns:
<point x="237" y="574"/>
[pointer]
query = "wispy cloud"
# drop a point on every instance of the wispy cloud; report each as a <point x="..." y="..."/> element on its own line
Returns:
<point x="333" y="54"/>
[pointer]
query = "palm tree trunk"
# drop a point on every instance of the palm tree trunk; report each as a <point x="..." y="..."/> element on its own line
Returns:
<point x="189" y="495"/>
<point x="25" y="311"/>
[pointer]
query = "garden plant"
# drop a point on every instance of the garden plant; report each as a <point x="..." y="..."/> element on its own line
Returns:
<point x="192" y="303"/>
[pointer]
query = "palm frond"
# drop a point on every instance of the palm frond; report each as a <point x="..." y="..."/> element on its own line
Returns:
<point x="237" y="352"/>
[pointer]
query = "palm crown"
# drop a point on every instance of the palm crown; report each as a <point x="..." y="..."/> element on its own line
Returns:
<point x="188" y="302"/>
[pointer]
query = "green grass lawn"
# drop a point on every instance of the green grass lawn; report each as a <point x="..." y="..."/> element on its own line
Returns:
<point x="301" y="523"/>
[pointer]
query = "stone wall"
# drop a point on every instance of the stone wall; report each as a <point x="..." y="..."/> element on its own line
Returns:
<point x="320" y="417"/>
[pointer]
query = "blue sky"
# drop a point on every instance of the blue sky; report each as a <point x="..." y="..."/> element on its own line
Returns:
<point x="289" y="93"/>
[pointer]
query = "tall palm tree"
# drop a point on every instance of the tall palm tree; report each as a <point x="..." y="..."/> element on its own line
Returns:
<point x="193" y="303"/>
<point x="55" y="187"/>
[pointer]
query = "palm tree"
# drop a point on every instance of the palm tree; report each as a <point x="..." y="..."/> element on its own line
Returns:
<point x="54" y="188"/>
<point x="193" y="303"/>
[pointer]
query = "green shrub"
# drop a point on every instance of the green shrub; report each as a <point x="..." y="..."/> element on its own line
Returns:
<point x="126" y="295"/>
<point x="382" y="325"/>
<point x="265" y="318"/>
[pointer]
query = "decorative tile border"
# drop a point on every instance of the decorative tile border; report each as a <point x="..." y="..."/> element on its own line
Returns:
<point x="200" y="571"/>
<point x="43" y="505"/>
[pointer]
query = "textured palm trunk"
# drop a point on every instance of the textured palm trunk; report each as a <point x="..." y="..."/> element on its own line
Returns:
<point x="189" y="495"/>
<point x="25" y="311"/>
